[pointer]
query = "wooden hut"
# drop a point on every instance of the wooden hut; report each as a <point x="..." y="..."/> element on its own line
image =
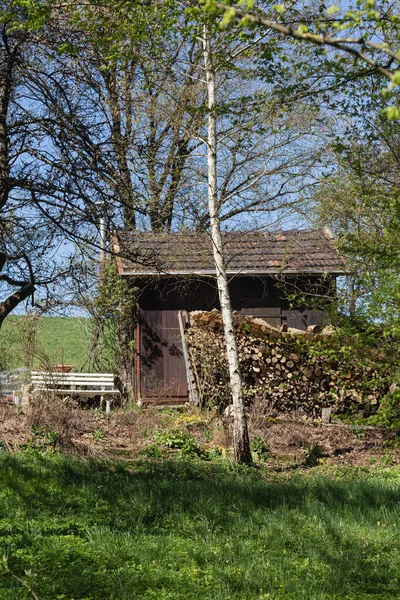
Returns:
<point x="175" y="274"/>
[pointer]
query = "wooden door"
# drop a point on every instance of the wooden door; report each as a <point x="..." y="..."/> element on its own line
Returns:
<point x="162" y="366"/>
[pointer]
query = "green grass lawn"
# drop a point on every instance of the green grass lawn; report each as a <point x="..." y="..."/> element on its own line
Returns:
<point x="72" y="529"/>
<point x="59" y="340"/>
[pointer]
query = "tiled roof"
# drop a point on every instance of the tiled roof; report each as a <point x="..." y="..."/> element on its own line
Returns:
<point x="294" y="251"/>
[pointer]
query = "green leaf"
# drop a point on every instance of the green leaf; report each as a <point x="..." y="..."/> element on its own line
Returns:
<point x="396" y="78"/>
<point x="248" y="3"/>
<point x="302" y="29"/>
<point x="229" y="14"/>
<point x="332" y="10"/>
<point x="279" y="8"/>
<point x="392" y="113"/>
<point x="67" y="48"/>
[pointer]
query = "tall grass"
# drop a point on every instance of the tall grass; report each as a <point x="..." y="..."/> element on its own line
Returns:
<point x="193" y="531"/>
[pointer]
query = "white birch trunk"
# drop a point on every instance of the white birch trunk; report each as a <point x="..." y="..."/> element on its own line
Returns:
<point x="241" y="442"/>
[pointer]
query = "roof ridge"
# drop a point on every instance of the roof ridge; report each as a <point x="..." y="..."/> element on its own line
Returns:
<point x="324" y="230"/>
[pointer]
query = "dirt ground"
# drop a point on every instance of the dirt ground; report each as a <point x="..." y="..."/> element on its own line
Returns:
<point x="339" y="444"/>
<point x="62" y="424"/>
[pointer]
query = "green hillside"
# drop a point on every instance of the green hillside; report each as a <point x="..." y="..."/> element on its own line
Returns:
<point x="30" y="342"/>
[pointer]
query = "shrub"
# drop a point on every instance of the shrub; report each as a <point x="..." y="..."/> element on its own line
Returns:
<point x="313" y="455"/>
<point x="259" y="447"/>
<point x="388" y="413"/>
<point x="181" y="440"/>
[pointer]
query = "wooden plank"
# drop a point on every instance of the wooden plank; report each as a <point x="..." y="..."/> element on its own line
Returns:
<point x="56" y="374"/>
<point x="76" y="392"/>
<point x="193" y="398"/>
<point x="137" y="362"/>
<point x="301" y="319"/>
<point x="151" y="354"/>
<point x="174" y="365"/>
<point x="271" y="314"/>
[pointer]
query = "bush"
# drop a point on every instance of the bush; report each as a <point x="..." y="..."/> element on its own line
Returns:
<point x="259" y="447"/>
<point x="180" y="440"/>
<point x="313" y="455"/>
<point x="388" y="413"/>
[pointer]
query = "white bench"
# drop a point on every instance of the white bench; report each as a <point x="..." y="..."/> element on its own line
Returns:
<point x="75" y="384"/>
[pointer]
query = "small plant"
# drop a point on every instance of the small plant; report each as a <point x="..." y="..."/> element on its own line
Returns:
<point x="208" y="433"/>
<point x="181" y="440"/>
<point x="44" y="436"/>
<point x="313" y="455"/>
<point x="358" y="431"/>
<point x="26" y="582"/>
<point x="216" y="452"/>
<point x="152" y="451"/>
<point x="98" y="435"/>
<point x="260" y="448"/>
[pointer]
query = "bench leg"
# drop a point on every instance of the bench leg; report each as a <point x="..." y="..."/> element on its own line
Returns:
<point x="101" y="402"/>
<point x="108" y="406"/>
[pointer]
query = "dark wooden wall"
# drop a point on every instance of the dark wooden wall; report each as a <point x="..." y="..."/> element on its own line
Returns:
<point x="162" y="367"/>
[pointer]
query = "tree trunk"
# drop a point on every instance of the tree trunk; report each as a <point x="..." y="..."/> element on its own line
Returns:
<point x="241" y="442"/>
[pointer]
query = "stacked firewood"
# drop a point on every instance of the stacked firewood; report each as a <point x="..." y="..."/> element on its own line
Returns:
<point x="292" y="371"/>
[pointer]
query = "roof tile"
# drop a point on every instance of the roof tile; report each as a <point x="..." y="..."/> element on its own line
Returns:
<point x="300" y="251"/>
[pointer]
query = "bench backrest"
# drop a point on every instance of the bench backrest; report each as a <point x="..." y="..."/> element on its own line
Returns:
<point x="54" y="378"/>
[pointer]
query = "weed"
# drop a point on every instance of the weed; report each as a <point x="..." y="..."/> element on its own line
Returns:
<point x="313" y="455"/>
<point x="216" y="452"/>
<point x="391" y="444"/>
<point x="152" y="451"/>
<point x="260" y="448"/>
<point x="44" y="436"/>
<point x="25" y="581"/>
<point x="358" y="431"/>
<point x="98" y="435"/>
<point x="208" y="433"/>
<point x="182" y="440"/>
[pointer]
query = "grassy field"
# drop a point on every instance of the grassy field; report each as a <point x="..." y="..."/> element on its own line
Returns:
<point x="72" y="529"/>
<point x="58" y="340"/>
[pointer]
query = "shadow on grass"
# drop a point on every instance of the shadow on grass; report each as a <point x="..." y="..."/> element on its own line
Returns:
<point x="320" y="535"/>
<point x="38" y="481"/>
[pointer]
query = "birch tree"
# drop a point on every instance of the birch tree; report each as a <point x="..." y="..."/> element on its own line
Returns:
<point x="240" y="433"/>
